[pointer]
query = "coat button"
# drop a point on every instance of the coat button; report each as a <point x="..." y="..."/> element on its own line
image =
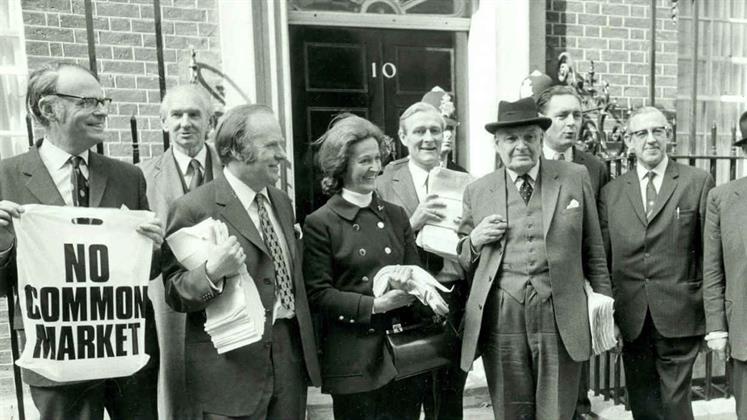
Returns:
<point x="371" y="330"/>
<point x="364" y="278"/>
<point x="388" y="250"/>
<point x="342" y="318"/>
<point x="380" y="225"/>
<point x="352" y="321"/>
<point x="268" y="281"/>
<point x="356" y="227"/>
<point x="268" y="345"/>
<point x="362" y="252"/>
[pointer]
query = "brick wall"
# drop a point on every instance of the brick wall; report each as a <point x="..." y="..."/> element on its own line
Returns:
<point x="126" y="54"/>
<point x="615" y="34"/>
<point x="127" y="67"/>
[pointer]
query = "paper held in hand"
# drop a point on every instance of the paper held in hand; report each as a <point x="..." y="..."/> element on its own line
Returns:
<point x="441" y="238"/>
<point x="601" y="320"/>
<point x="235" y="318"/>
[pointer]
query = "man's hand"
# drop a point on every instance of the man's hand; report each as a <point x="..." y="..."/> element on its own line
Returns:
<point x="489" y="230"/>
<point x="619" y="339"/>
<point x="225" y="260"/>
<point x="430" y="210"/>
<point x="153" y="230"/>
<point x="392" y="299"/>
<point x="720" y="346"/>
<point x="8" y="210"/>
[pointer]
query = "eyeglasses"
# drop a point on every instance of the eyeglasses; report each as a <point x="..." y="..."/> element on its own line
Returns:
<point x="88" y="102"/>
<point x="657" y="132"/>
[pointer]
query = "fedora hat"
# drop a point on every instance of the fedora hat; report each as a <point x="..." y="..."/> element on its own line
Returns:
<point x="516" y="114"/>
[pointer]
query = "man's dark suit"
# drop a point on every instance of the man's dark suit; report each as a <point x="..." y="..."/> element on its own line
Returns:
<point x="598" y="172"/>
<point x="656" y="268"/>
<point x="25" y="180"/>
<point x="164" y="187"/>
<point x="725" y="277"/>
<point x="240" y="382"/>
<point x="574" y="253"/>
<point x="395" y="185"/>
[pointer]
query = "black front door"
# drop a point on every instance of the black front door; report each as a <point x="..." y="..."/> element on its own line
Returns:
<point x="374" y="73"/>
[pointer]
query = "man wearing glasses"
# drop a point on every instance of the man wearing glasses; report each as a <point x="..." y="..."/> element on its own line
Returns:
<point x="652" y="220"/>
<point x="68" y="101"/>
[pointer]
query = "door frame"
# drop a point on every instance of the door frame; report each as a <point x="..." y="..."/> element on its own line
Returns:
<point x="459" y="26"/>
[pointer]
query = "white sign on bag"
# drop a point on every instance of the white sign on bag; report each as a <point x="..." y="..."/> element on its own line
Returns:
<point x="83" y="288"/>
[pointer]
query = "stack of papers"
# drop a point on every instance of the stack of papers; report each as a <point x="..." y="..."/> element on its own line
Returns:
<point x="441" y="238"/>
<point x="601" y="320"/>
<point x="235" y="318"/>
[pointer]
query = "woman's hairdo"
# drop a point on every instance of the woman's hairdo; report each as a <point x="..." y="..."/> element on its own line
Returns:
<point x="344" y="131"/>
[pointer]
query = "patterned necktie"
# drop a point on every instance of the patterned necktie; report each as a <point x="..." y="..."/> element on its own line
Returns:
<point x="196" y="175"/>
<point x="79" y="183"/>
<point x="526" y="188"/>
<point x="282" y="279"/>
<point x="650" y="194"/>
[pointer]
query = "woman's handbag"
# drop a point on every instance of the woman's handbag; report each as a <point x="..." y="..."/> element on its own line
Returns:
<point x="422" y="347"/>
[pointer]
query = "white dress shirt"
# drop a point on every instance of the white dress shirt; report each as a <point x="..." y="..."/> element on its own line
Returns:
<point x="183" y="160"/>
<point x="551" y="154"/>
<point x="246" y="196"/>
<point x="642" y="173"/>
<point x="419" y="178"/>
<point x="533" y="173"/>
<point x="57" y="162"/>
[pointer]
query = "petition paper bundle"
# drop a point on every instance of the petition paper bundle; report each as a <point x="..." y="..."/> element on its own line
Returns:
<point x="441" y="238"/>
<point x="236" y="318"/>
<point x="601" y="320"/>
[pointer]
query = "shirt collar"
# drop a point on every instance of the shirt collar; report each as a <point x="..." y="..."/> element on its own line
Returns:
<point x="419" y="175"/>
<point x="658" y="169"/>
<point x="183" y="160"/>
<point x="349" y="211"/>
<point x="55" y="157"/>
<point x="532" y="172"/>
<point x="244" y="193"/>
<point x="360" y="200"/>
<point x="550" y="154"/>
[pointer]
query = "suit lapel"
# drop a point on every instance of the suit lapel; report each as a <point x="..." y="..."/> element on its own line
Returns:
<point x="550" y="192"/>
<point x="235" y="214"/>
<point x="633" y="191"/>
<point x="284" y="215"/>
<point x="404" y="187"/>
<point x="167" y="178"/>
<point x="495" y="203"/>
<point x="98" y="178"/>
<point x="668" y="185"/>
<point x="39" y="182"/>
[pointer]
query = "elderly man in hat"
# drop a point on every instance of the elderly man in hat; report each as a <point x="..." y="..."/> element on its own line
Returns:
<point x="530" y="235"/>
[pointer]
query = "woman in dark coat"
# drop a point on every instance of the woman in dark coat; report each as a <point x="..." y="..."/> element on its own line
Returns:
<point x="346" y="242"/>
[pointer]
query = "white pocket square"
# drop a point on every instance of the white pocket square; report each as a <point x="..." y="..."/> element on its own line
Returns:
<point x="573" y="204"/>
